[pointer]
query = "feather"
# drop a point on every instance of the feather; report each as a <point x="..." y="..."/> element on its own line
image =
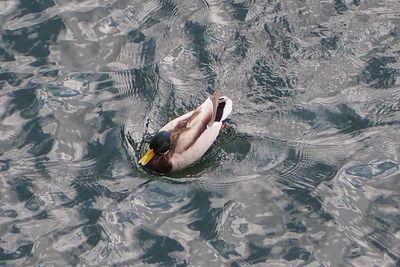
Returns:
<point x="192" y="134"/>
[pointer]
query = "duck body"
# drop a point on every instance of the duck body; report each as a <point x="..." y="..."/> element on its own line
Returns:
<point x="184" y="140"/>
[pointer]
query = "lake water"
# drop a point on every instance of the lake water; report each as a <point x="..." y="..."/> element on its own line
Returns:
<point x="306" y="173"/>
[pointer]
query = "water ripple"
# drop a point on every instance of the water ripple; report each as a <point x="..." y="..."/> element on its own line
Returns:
<point x="305" y="173"/>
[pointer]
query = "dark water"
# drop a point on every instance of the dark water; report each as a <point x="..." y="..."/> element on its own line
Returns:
<point x="307" y="173"/>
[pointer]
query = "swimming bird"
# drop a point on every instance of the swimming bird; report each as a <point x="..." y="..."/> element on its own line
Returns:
<point x="187" y="138"/>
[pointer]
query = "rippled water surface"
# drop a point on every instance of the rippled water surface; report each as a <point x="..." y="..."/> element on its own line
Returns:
<point x="306" y="173"/>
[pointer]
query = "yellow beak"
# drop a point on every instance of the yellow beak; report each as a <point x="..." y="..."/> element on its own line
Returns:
<point x="147" y="157"/>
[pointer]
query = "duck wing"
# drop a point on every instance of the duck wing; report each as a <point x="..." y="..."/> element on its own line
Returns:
<point x="188" y="130"/>
<point x="193" y="135"/>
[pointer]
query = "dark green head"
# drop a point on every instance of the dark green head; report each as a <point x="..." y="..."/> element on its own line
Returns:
<point x="160" y="142"/>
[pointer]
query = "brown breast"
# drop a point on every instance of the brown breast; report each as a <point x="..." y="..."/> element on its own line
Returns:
<point x="160" y="163"/>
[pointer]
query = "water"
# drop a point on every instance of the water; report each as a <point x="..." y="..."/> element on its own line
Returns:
<point x="306" y="174"/>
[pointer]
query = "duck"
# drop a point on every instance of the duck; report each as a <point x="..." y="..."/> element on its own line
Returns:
<point x="184" y="140"/>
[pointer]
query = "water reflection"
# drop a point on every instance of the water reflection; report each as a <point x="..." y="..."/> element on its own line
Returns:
<point x="306" y="173"/>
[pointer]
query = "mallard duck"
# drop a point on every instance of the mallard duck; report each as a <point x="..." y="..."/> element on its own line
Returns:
<point x="187" y="138"/>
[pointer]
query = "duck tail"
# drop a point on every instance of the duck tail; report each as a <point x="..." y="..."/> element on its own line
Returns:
<point x="224" y="108"/>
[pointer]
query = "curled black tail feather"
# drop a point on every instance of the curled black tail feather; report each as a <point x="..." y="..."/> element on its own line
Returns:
<point x="220" y="111"/>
